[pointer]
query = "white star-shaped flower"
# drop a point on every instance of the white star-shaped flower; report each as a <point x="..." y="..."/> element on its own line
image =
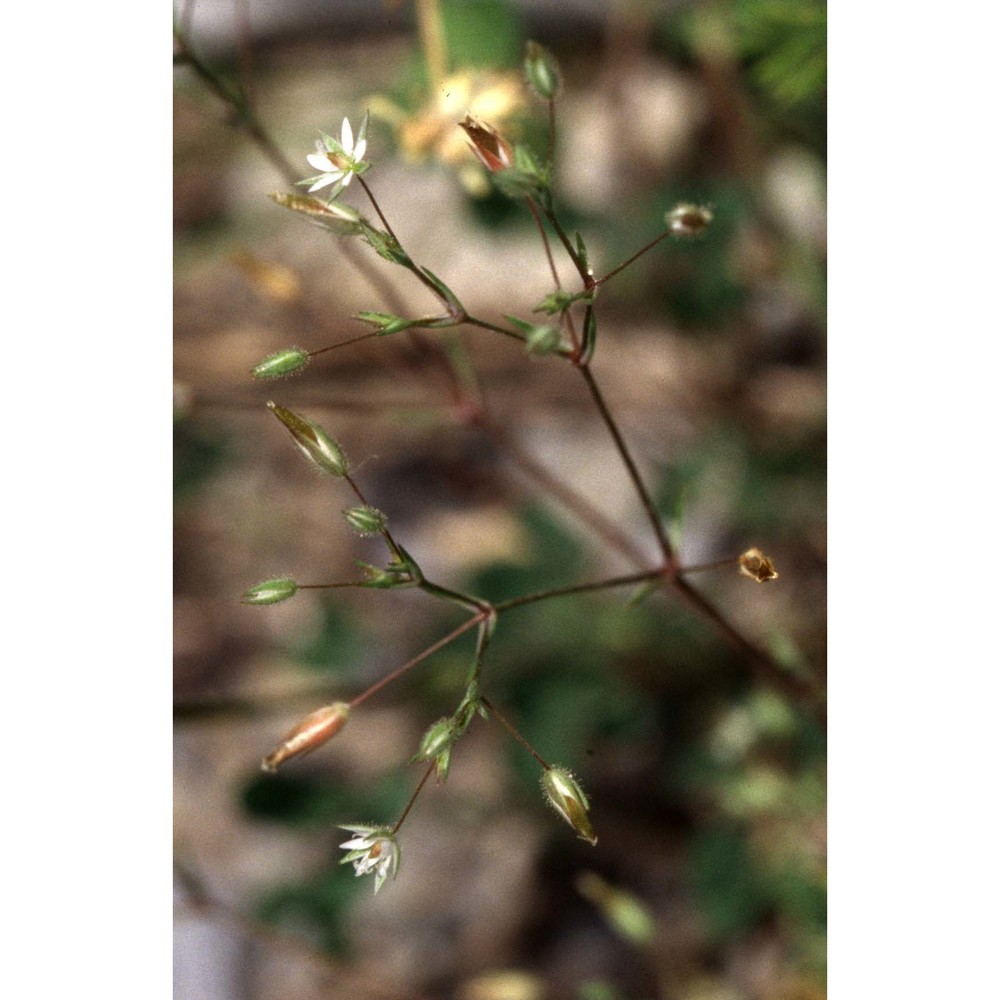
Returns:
<point x="338" y="162"/>
<point x="372" y="849"/>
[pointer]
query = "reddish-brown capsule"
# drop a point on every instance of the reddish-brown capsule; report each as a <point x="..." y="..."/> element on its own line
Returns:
<point x="491" y="150"/>
<point x="313" y="731"/>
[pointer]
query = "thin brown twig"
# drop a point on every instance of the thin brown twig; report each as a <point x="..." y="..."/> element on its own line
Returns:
<point x="420" y="657"/>
<point x="629" y="462"/>
<point x="413" y="797"/>
<point x="517" y="736"/>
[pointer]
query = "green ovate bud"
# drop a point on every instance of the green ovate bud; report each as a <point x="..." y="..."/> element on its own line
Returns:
<point x="271" y="591"/>
<point x="366" y="521"/>
<point x="538" y="339"/>
<point x="385" y="322"/>
<point x="541" y="70"/>
<point x="686" y="220"/>
<point x="313" y="441"/>
<point x="381" y="579"/>
<point x="567" y="798"/>
<point x="560" y="300"/>
<point x="291" y="359"/>
<point x="437" y="739"/>
<point x="543" y="340"/>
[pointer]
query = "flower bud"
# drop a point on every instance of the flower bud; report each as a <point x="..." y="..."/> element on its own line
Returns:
<point x="541" y="70"/>
<point x="539" y="339"/>
<point x="270" y="591"/>
<point x="291" y="359"/>
<point x="436" y="740"/>
<point x="491" y="150"/>
<point x="757" y="566"/>
<point x="385" y="323"/>
<point x="313" y="731"/>
<point x="567" y="798"/>
<point x="543" y="340"/>
<point x="688" y="220"/>
<point x="335" y="216"/>
<point x="313" y="441"/>
<point x="366" y="521"/>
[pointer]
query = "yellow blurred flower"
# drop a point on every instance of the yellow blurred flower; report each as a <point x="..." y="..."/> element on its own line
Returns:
<point x="432" y="132"/>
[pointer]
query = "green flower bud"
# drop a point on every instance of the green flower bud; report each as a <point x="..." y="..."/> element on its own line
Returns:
<point x="335" y="216"/>
<point x="313" y="441"/>
<point x="687" y="220"/>
<point x="567" y="798"/>
<point x="437" y="739"/>
<point x="543" y="340"/>
<point x="291" y="359"/>
<point x="541" y="70"/>
<point x="539" y="339"/>
<point x="271" y="591"/>
<point x="385" y="323"/>
<point x="366" y="521"/>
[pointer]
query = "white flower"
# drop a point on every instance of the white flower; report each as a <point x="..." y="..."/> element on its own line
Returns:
<point x="338" y="161"/>
<point x="372" y="849"/>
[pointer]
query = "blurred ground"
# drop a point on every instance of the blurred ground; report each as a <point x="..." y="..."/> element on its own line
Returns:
<point x="707" y="787"/>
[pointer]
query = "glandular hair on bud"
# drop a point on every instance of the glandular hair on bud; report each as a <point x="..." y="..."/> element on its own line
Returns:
<point x="270" y="591"/>
<point x="366" y="521"/>
<point x="286" y="362"/>
<point x="567" y="798"/>
<point x="313" y="441"/>
<point x="688" y="220"/>
<point x="313" y="731"/>
<point x="541" y="70"/>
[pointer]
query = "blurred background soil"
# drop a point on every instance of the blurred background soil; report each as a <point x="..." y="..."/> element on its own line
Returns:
<point x="707" y="786"/>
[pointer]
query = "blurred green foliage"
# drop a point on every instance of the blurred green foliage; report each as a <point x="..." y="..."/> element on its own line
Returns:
<point x="198" y="455"/>
<point x="337" y="645"/>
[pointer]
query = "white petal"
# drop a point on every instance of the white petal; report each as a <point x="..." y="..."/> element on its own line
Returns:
<point x="347" y="178"/>
<point x="357" y="844"/>
<point x="328" y="179"/>
<point x="359" y="150"/>
<point x="347" y="137"/>
<point x="318" y="160"/>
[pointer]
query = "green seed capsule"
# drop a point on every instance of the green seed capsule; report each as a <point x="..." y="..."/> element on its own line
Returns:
<point x="541" y="70"/>
<point x="365" y="521"/>
<point x="285" y="362"/>
<point x="313" y="441"/>
<point x="271" y="591"/>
